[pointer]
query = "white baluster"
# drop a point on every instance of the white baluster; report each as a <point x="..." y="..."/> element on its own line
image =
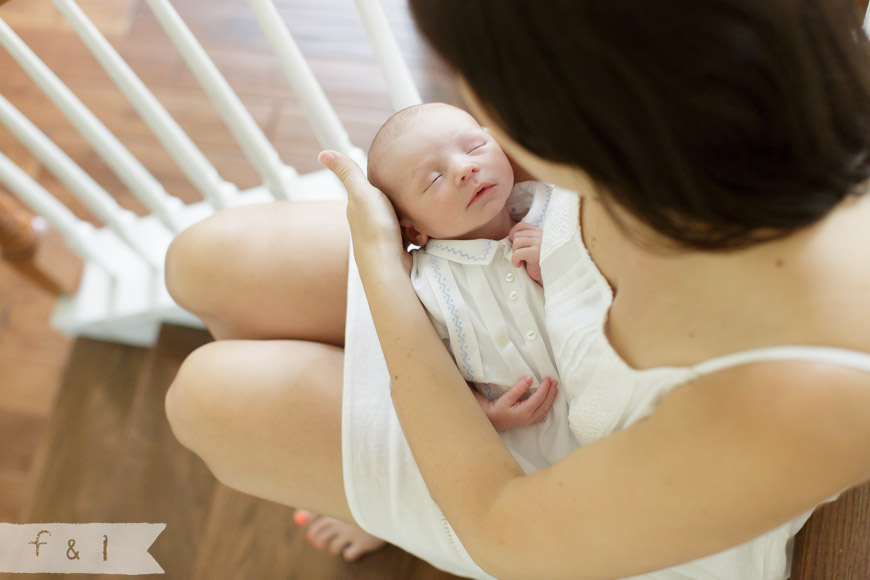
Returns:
<point x="867" y="20"/>
<point x="253" y="142"/>
<point x="327" y="127"/>
<point x="400" y="85"/>
<point x="188" y="157"/>
<point x="78" y="234"/>
<point x="126" y="167"/>
<point x="97" y="199"/>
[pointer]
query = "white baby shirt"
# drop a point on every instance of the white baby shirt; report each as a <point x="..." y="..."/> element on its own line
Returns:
<point x="492" y="319"/>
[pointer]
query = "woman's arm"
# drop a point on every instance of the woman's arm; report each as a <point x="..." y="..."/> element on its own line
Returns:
<point x="721" y="461"/>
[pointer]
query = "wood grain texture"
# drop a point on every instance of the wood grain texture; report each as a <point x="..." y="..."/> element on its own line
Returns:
<point x="20" y="434"/>
<point x="156" y="479"/>
<point x="835" y="542"/>
<point x="81" y="451"/>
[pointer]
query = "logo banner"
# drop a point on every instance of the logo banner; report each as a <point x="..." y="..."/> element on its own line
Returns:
<point x="79" y="548"/>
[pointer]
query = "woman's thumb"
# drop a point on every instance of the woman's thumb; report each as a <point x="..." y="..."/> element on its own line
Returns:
<point x="343" y="167"/>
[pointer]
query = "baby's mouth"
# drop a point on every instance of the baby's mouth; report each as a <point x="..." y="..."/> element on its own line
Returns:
<point x="480" y="192"/>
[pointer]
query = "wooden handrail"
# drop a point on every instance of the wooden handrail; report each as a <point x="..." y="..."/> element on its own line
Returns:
<point x="20" y="237"/>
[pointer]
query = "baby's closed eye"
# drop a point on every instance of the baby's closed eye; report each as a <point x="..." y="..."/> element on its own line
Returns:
<point x="431" y="181"/>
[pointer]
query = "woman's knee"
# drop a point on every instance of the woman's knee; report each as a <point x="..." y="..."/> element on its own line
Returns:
<point x="189" y="265"/>
<point x="202" y="403"/>
<point x="233" y="401"/>
<point x="202" y="406"/>
<point x="191" y="406"/>
<point x="265" y="271"/>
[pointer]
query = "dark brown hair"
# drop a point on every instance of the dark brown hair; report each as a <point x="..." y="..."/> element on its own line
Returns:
<point x="720" y="123"/>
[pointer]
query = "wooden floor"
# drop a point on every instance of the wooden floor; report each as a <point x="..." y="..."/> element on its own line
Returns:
<point x="82" y="432"/>
<point x="108" y="456"/>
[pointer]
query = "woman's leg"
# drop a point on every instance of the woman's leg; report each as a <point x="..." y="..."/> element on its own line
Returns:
<point x="269" y="271"/>
<point x="265" y="416"/>
<point x="276" y="270"/>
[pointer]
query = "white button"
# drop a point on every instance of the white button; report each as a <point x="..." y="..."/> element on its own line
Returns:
<point x="531" y="335"/>
<point x="501" y="341"/>
<point x="509" y="277"/>
<point x="514" y="295"/>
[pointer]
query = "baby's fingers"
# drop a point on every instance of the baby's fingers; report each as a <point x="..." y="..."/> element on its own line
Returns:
<point x="528" y="255"/>
<point x="542" y="399"/>
<point x="548" y="402"/>
<point x="515" y="393"/>
<point x="525" y="241"/>
<point x="519" y="227"/>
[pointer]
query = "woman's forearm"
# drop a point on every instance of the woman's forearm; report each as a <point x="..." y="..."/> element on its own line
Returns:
<point x="462" y="459"/>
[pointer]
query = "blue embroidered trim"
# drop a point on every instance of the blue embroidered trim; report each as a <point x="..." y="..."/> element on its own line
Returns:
<point x="546" y="205"/>
<point x="439" y="246"/>
<point x="465" y="361"/>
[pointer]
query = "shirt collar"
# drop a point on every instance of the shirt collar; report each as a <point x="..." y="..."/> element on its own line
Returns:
<point x="480" y="252"/>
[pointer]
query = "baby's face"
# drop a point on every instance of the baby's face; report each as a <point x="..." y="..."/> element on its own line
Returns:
<point x="449" y="178"/>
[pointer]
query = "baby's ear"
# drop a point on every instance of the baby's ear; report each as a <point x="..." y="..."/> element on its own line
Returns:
<point x="411" y="234"/>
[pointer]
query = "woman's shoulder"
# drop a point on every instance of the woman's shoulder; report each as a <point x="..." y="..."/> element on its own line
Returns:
<point x="827" y="268"/>
<point x="811" y="290"/>
<point x="810" y="415"/>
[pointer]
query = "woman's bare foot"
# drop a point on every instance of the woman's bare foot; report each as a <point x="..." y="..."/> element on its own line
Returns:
<point x="336" y="536"/>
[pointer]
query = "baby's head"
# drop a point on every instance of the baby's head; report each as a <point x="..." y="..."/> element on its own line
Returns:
<point x="446" y="177"/>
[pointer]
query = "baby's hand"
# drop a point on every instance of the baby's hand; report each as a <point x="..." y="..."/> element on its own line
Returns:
<point x="526" y="239"/>
<point x="509" y="412"/>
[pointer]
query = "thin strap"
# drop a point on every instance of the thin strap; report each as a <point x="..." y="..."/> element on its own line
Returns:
<point x="837" y="356"/>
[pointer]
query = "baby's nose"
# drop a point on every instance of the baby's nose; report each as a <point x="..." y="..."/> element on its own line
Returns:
<point x="465" y="171"/>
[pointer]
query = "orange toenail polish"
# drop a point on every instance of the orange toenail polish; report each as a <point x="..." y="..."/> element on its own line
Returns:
<point x="301" y="519"/>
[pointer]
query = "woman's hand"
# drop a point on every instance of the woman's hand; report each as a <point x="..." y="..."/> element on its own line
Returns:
<point x="374" y="227"/>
